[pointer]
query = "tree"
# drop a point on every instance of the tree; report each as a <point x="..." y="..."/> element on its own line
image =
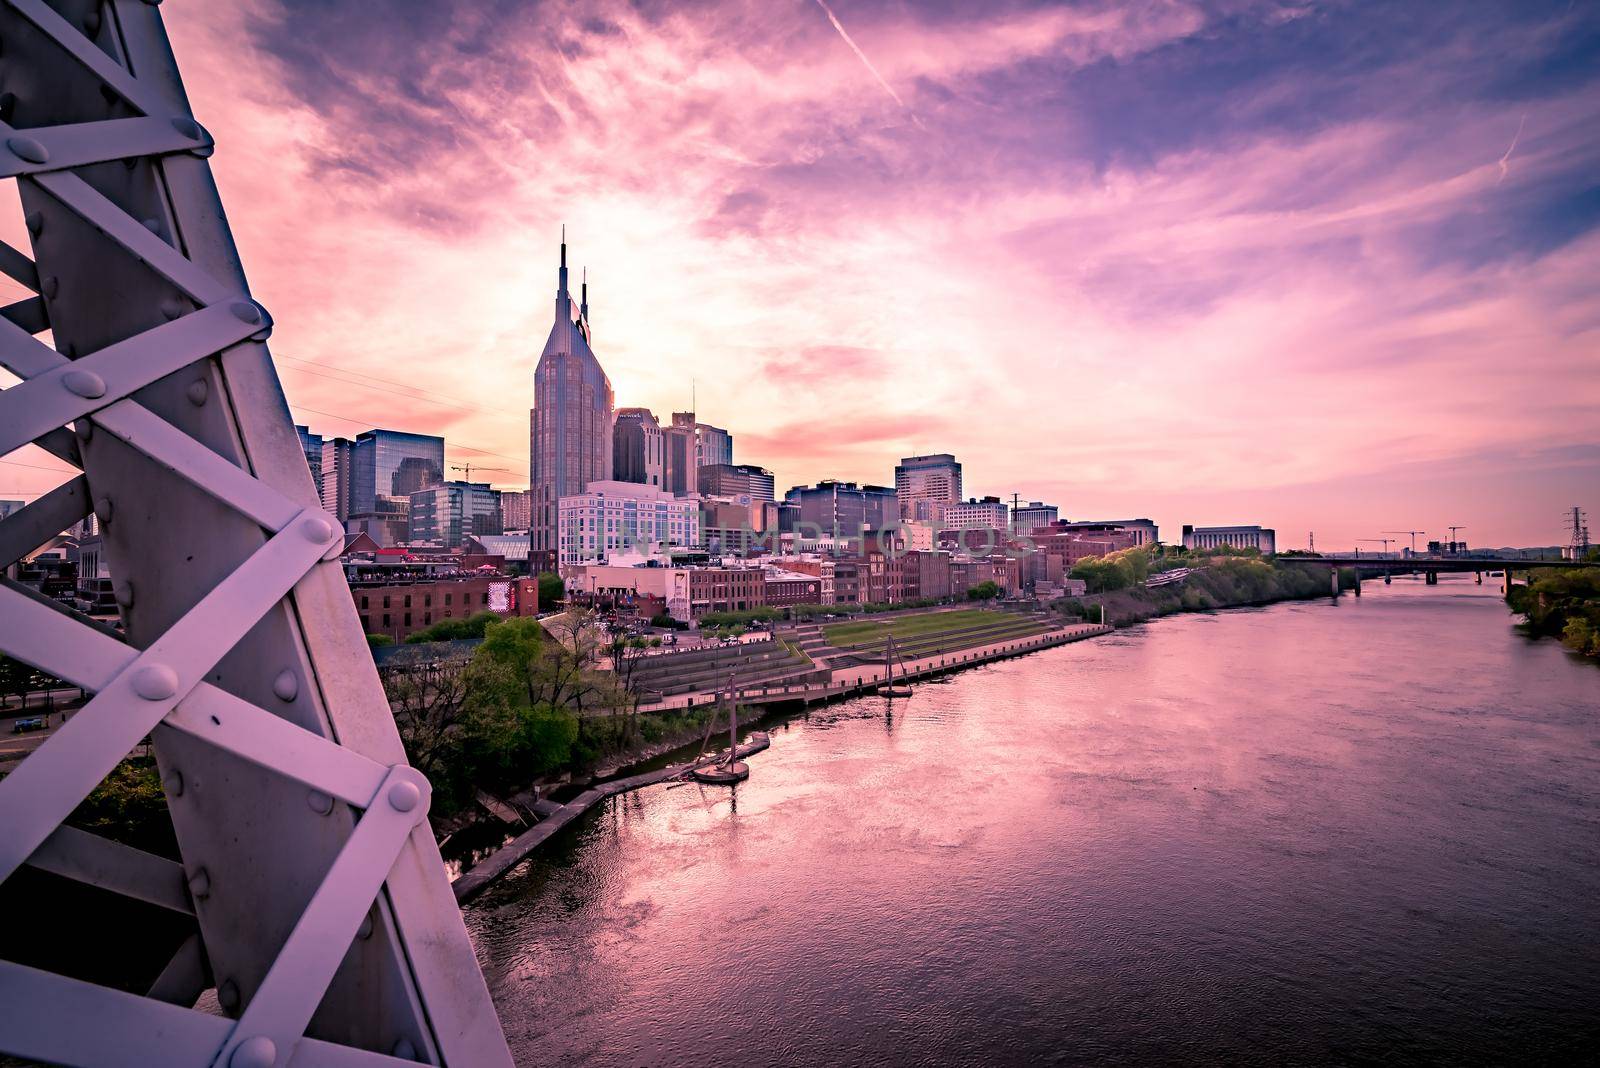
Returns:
<point x="987" y="590"/>
<point x="552" y="591"/>
<point x="431" y="704"/>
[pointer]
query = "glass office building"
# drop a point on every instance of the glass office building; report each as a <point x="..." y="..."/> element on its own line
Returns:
<point x="388" y="463"/>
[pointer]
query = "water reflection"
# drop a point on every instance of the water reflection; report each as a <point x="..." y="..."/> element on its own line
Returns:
<point x="1306" y="833"/>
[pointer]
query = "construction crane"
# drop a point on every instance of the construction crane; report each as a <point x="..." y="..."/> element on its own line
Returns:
<point x="467" y="469"/>
<point x="1413" y="534"/>
<point x="1386" y="543"/>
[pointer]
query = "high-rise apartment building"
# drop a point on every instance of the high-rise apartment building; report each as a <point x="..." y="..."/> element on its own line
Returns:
<point x="337" y="477"/>
<point x="446" y="514"/>
<point x="311" y="445"/>
<point x="611" y="517"/>
<point x="737" y="480"/>
<point x="681" y="476"/>
<point x="638" y="449"/>
<point x="925" y="484"/>
<point x="570" y="437"/>
<point x="842" y="509"/>
<point x="516" y="509"/>
<point x="691" y="445"/>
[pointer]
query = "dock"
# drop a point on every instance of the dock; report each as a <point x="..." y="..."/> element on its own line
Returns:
<point x="470" y="883"/>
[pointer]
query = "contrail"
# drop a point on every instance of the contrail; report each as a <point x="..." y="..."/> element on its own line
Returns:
<point x="1505" y="160"/>
<point x="826" y="10"/>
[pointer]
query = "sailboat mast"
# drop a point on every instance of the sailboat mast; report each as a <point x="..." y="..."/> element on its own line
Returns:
<point x="733" y="725"/>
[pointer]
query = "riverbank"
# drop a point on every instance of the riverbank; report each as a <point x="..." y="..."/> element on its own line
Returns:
<point x="1236" y="817"/>
<point x="761" y="705"/>
<point x="1223" y="583"/>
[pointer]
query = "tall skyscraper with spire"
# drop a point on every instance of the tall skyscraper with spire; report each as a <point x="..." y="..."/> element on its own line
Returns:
<point x="570" y="439"/>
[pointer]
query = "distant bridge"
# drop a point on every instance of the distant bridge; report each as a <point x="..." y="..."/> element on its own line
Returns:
<point x="1431" y="567"/>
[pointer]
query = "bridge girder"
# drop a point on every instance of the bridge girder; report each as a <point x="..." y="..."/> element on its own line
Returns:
<point x="309" y="888"/>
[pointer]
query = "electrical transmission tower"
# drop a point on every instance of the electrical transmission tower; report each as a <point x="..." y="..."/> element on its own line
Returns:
<point x="310" y="893"/>
<point x="1578" y="545"/>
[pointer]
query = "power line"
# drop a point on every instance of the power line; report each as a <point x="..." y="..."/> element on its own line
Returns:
<point x="383" y="386"/>
<point x="370" y="423"/>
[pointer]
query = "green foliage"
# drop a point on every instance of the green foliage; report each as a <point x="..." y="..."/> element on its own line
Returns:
<point x="1563" y="603"/>
<point x="129" y="807"/>
<point x="732" y="619"/>
<point x="552" y="591"/>
<point x="376" y="640"/>
<point x="448" y="630"/>
<point x="666" y="621"/>
<point x="987" y="590"/>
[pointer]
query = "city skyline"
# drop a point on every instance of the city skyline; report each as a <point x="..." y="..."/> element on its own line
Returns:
<point x="1321" y="305"/>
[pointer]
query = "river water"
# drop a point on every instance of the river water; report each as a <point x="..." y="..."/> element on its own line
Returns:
<point x="1315" y="832"/>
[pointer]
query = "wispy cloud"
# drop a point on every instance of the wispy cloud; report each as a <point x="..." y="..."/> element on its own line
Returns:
<point x="865" y="62"/>
<point x="1137" y="248"/>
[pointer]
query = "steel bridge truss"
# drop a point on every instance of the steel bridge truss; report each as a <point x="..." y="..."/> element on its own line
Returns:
<point x="311" y="890"/>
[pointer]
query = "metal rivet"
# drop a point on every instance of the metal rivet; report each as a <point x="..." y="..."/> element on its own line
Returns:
<point x="246" y="311"/>
<point x="171" y="309"/>
<point x="320" y="803"/>
<point x="155" y="682"/>
<point x="228" y="994"/>
<point x="174" y="783"/>
<point x="153" y="225"/>
<point x="103" y="509"/>
<point x="187" y="127"/>
<point x="50" y="286"/>
<point x="364" y="932"/>
<point x="85" y="384"/>
<point x="26" y="148"/>
<point x="287" y="685"/>
<point x="8" y="105"/>
<point x="91" y="23"/>
<point x="84" y="428"/>
<point x="317" y="529"/>
<point x="35" y="223"/>
<point x="197" y="392"/>
<point x="405" y="1050"/>
<point x="257" y="1051"/>
<point x="200" y="883"/>
<point x="403" y="796"/>
<point x="123" y="592"/>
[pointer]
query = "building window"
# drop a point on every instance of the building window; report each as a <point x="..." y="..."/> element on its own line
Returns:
<point x="386" y="600"/>
<point x="386" y="621"/>
<point x="408" y="619"/>
<point x="363" y="602"/>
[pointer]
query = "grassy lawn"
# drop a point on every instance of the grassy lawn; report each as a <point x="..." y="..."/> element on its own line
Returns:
<point x="871" y="632"/>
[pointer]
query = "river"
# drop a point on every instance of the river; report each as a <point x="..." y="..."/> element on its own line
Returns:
<point x="1314" y="832"/>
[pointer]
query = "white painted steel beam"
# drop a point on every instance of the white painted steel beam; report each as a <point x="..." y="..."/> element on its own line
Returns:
<point x="322" y="909"/>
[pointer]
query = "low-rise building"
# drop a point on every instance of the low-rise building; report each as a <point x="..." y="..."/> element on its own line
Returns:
<point x="399" y="609"/>
<point x="1025" y="517"/>
<point x="1260" y="538"/>
<point x="788" y="588"/>
<point x="974" y="513"/>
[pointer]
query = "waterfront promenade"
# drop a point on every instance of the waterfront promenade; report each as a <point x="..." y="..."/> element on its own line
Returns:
<point x="858" y="678"/>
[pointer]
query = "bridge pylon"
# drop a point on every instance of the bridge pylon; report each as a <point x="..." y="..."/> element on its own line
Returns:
<point x="305" y="888"/>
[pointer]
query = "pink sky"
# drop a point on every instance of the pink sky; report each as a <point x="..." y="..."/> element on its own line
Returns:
<point x="1232" y="262"/>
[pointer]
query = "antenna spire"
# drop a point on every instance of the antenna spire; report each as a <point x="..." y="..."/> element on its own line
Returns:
<point x="583" y="302"/>
<point x="563" y="300"/>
